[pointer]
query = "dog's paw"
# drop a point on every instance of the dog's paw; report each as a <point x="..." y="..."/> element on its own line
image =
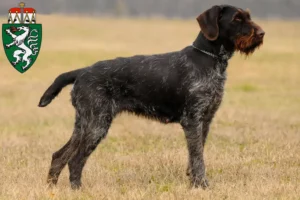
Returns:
<point x="200" y="182"/>
<point x="75" y="185"/>
<point x="51" y="182"/>
<point x="204" y="183"/>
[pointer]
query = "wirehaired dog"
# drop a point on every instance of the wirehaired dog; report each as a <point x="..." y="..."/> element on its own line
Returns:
<point x="183" y="87"/>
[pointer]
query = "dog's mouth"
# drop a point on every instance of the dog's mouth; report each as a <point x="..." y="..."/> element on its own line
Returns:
<point x="248" y="44"/>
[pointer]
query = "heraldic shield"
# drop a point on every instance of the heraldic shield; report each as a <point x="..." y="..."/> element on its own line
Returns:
<point x="22" y="37"/>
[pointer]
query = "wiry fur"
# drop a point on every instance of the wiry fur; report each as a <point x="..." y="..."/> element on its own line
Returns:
<point x="183" y="87"/>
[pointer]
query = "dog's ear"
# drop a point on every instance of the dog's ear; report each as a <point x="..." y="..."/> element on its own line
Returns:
<point x="208" y="22"/>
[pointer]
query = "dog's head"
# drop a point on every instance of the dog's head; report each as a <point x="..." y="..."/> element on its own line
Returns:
<point x="232" y="25"/>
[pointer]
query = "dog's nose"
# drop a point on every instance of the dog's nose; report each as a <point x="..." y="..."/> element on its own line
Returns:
<point x="260" y="33"/>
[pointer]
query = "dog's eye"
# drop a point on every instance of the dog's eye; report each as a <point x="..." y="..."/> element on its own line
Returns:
<point x="238" y="19"/>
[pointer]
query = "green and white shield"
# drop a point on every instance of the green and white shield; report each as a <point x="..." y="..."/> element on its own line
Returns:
<point x="22" y="44"/>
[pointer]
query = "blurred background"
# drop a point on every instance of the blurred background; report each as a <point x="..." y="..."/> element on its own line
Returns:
<point x="252" y="151"/>
<point x="167" y="8"/>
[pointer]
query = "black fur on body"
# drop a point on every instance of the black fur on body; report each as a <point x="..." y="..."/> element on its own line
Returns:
<point x="183" y="87"/>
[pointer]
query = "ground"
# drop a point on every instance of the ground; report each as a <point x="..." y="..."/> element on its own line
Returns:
<point x="252" y="152"/>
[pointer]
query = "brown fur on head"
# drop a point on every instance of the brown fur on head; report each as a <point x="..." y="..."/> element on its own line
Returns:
<point x="247" y="44"/>
<point x="233" y="26"/>
<point x="208" y="22"/>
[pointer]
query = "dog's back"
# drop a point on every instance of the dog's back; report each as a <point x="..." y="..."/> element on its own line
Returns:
<point x="152" y="86"/>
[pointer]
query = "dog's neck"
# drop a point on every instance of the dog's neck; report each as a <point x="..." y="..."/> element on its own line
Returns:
<point x="221" y="50"/>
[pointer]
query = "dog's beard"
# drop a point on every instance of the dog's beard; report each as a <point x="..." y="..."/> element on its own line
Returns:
<point x="247" y="44"/>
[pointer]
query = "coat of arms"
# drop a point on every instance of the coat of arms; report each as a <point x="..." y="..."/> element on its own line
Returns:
<point x="22" y="37"/>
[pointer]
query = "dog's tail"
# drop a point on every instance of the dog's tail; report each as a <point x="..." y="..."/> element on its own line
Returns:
<point x="60" y="82"/>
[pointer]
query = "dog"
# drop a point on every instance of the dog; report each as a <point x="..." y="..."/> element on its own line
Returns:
<point x="184" y="87"/>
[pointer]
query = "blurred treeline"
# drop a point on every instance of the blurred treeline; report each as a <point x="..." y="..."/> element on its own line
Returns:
<point x="149" y="8"/>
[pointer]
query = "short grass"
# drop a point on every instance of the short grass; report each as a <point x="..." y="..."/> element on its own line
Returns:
<point x="253" y="149"/>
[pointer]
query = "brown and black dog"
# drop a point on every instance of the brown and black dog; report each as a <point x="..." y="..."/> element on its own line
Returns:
<point x="183" y="87"/>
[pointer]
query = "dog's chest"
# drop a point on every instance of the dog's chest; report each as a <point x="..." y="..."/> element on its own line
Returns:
<point x="215" y="87"/>
<point x="210" y="88"/>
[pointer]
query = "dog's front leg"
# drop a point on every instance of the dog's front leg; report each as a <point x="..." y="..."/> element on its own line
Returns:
<point x="194" y="128"/>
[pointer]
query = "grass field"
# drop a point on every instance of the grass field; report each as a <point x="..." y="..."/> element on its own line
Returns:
<point x="253" y="149"/>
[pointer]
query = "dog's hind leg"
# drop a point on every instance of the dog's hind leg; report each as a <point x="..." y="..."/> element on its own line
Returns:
<point x="62" y="156"/>
<point x="96" y="131"/>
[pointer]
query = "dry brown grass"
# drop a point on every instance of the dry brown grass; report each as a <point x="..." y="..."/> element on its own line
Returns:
<point x="253" y="150"/>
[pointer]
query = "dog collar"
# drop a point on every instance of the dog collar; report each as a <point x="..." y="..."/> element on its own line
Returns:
<point x="206" y="52"/>
<point x="223" y="55"/>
